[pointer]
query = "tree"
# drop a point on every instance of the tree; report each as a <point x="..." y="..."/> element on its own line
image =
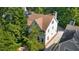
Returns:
<point x="8" y="41"/>
<point x="11" y="23"/>
<point x="14" y="30"/>
<point x="33" y="43"/>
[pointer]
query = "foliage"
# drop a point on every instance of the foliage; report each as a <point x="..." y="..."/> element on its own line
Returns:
<point x="33" y="43"/>
<point x="11" y="22"/>
<point x="14" y="30"/>
<point x="7" y="41"/>
<point x="65" y="14"/>
<point x="39" y="10"/>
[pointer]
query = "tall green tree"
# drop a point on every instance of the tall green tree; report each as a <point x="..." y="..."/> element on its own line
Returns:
<point x="14" y="30"/>
<point x="11" y="28"/>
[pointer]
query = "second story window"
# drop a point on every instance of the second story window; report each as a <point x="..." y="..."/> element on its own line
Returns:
<point x="48" y="30"/>
<point x="47" y="37"/>
<point x="52" y="22"/>
<point x="52" y="27"/>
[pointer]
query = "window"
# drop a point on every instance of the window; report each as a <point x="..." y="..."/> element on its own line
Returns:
<point x="51" y="33"/>
<point x="52" y="27"/>
<point x="47" y="37"/>
<point x="48" y="30"/>
<point x="52" y="22"/>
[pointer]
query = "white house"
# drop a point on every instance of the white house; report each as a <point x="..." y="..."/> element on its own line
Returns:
<point x="51" y="29"/>
<point x="47" y="23"/>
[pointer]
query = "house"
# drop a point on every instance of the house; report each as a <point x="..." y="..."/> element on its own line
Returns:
<point x="46" y="23"/>
<point x="70" y="39"/>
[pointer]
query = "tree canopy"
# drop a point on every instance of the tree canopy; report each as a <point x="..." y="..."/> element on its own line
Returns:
<point x="10" y="28"/>
<point x="14" y="30"/>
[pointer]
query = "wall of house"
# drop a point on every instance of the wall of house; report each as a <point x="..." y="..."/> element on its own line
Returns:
<point x="51" y="30"/>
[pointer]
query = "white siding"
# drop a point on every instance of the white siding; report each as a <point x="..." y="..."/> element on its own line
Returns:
<point x="51" y="30"/>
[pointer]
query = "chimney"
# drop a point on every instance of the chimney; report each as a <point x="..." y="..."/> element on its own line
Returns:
<point x="55" y="14"/>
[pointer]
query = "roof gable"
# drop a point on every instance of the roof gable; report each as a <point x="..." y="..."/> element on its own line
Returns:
<point x="42" y="20"/>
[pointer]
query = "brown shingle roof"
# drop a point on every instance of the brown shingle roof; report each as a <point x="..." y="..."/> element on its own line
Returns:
<point x="42" y="20"/>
